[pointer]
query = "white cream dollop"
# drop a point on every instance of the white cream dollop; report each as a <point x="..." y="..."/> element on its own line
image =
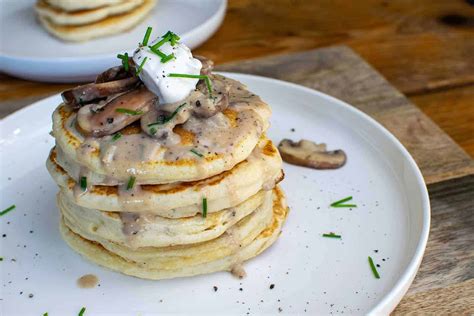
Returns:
<point x="154" y="73"/>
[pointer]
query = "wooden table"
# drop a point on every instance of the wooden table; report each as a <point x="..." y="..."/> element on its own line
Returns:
<point x="424" y="48"/>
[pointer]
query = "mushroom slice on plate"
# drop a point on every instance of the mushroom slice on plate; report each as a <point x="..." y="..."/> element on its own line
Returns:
<point x="309" y="154"/>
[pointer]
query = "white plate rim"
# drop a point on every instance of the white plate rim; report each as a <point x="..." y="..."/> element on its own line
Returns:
<point x="391" y="299"/>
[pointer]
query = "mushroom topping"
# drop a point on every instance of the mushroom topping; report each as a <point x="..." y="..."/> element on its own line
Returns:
<point x="115" y="114"/>
<point x="207" y="65"/>
<point x="84" y="94"/>
<point x="309" y="154"/>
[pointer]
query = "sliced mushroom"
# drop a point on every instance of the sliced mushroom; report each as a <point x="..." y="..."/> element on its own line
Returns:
<point x="207" y="64"/>
<point x="309" y="154"/>
<point x="84" y="94"/>
<point x="111" y="74"/>
<point x="109" y="120"/>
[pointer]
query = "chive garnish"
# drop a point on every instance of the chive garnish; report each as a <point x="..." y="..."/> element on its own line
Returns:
<point x="116" y="136"/>
<point x="345" y="205"/>
<point x="147" y="36"/>
<point x="1" y="258"/>
<point x="8" y="209"/>
<point x="131" y="183"/>
<point x="206" y="79"/>
<point x="153" y="131"/>
<point x="340" y="203"/>
<point x="81" y="312"/>
<point x="83" y="183"/>
<point x="158" y="52"/>
<point x="168" y="37"/>
<point x="167" y="58"/>
<point x="129" y="112"/>
<point x="45" y="314"/>
<point x="141" y="66"/>
<point x="164" y="120"/>
<point x="332" y="235"/>
<point x="342" y="200"/>
<point x="124" y="59"/>
<point x="374" y="269"/>
<point x="204" y="207"/>
<point x="196" y="153"/>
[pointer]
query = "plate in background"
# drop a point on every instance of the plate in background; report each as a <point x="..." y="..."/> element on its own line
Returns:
<point x="28" y="51"/>
<point x="310" y="273"/>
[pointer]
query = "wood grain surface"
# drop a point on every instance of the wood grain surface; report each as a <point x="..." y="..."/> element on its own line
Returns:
<point x="445" y="282"/>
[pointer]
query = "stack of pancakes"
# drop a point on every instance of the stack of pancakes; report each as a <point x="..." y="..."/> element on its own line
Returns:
<point x="82" y="20"/>
<point x="187" y="214"/>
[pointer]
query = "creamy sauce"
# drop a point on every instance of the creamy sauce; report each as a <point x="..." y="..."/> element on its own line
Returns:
<point x="87" y="281"/>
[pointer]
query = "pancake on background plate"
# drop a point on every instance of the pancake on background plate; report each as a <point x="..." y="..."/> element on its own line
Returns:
<point x="83" y="20"/>
<point x="164" y="168"/>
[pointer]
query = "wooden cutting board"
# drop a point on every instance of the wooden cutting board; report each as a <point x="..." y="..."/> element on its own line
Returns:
<point x="445" y="281"/>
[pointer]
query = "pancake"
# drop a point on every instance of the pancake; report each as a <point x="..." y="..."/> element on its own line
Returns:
<point x="76" y="5"/>
<point x="110" y="25"/>
<point x="60" y="17"/>
<point x="183" y="261"/>
<point x="146" y="230"/>
<point x="222" y="141"/>
<point x="261" y="170"/>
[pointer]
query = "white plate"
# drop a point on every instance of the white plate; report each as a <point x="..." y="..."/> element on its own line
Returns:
<point x="310" y="273"/>
<point x="28" y="51"/>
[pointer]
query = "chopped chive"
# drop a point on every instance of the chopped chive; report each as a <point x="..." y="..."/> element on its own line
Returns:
<point x="167" y="58"/>
<point x="332" y="235"/>
<point x="131" y="182"/>
<point x="196" y="153"/>
<point x="344" y="205"/>
<point x="206" y="79"/>
<point x="83" y="183"/>
<point x="81" y="312"/>
<point x="374" y="269"/>
<point x="164" y="58"/>
<point x="124" y="59"/>
<point x="158" y="52"/>
<point x="8" y="209"/>
<point x="116" y="136"/>
<point x="204" y="207"/>
<point x="1" y="258"/>
<point x="141" y="66"/>
<point x="129" y="112"/>
<point x="153" y="131"/>
<point x="147" y="36"/>
<point x="342" y="201"/>
<point x="164" y="120"/>
<point x="161" y="42"/>
<point x="45" y="314"/>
